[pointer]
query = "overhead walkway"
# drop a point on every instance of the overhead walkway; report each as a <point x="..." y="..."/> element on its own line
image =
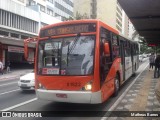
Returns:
<point x="145" y="16"/>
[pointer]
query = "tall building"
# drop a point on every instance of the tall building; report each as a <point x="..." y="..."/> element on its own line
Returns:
<point x="108" y="11"/>
<point x="58" y="8"/>
<point x="125" y="24"/>
<point x="21" y="19"/>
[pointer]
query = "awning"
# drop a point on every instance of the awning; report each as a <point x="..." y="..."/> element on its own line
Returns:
<point x="145" y="16"/>
<point x="14" y="41"/>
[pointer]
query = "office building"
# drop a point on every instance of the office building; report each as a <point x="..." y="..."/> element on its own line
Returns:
<point x="21" y="19"/>
<point x="108" y="11"/>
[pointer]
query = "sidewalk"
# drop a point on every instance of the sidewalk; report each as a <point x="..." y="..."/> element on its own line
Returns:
<point x="15" y="74"/>
<point x="140" y="97"/>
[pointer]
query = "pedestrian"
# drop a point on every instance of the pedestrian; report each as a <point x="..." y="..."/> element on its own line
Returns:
<point x="8" y="66"/>
<point x="157" y="66"/>
<point x="151" y="61"/>
<point x="1" y="67"/>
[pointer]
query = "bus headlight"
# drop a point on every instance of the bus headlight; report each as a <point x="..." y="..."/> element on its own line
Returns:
<point x="88" y="86"/>
<point x="40" y="86"/>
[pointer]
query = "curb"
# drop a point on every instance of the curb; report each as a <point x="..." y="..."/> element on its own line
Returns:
<point x="9" y="78"/>
<point x="14" y="75"/>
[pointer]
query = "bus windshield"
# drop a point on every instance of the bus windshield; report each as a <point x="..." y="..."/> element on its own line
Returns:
<point x="64" y="56"/>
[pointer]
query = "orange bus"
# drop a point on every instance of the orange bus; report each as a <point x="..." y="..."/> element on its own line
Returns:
<point x="82" y="61"/>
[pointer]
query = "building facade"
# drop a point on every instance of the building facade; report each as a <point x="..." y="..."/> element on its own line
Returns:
<point x="108" y="11"/>
<point x="21" y="19"/>
<point x="62" y="9"/>
<point x="125" y="24"/>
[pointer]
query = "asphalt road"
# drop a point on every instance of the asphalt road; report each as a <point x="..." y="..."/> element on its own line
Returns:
<point x="13" y="99"/>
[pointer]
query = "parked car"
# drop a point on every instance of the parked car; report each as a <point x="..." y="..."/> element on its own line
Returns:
<point x="145" y="56"/>
<point x="27" y="81"/>
<point x="141" y="58"/>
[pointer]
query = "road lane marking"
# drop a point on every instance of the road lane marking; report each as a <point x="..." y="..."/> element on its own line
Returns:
<point x="124" y="93"/>
<point x="9" y="91"/>
<point x="18" y="105"/>
<point x="9" y="80"/>
<point x="8" y="84"/>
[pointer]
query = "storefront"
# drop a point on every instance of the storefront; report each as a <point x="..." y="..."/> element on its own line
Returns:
<point x="13" y="51"/>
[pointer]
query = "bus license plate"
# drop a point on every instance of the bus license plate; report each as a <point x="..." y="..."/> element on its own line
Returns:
<point x="61" y="95"/>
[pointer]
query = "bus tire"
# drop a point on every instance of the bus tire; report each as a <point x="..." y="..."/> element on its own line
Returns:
<point x="116" y="86"/>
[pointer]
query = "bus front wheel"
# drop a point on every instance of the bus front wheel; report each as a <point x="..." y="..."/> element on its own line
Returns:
<point x="116" y="86"/>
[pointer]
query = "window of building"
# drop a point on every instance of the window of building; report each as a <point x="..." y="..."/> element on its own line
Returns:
<point x="118" y="28"/>
<point x="32" y="2"/>
<point x="118" y="22"/>
<point x="49" y="12"/>
<point x="62" y="8"/>
<point x="120" y="17"/>
<point x="24" y="37"/>
<point x="21" y="1"/>
<point x="51" y="1"/>
<point x="15" y="21"/>
<point x="68" y="2"/>
<point x="4" y="33"/>
<point x="42" y="8"/>
<point x="56" y="14"/>
<point x="14" y="35"/>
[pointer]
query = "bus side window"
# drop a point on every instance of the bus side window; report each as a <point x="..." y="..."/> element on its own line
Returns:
<point x="127" y="49"/>
<point x="115" y="47"/>
<point x="105" y="61"/>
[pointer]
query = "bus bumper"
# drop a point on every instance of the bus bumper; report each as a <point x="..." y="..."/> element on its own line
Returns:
<point x="70" y="96"/>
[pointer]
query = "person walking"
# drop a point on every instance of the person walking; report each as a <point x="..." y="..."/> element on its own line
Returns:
<point x="1" y="67"/>
<point x="151" y="61"/>
<point x="8" y="66"/>
<point x="157" y="66"/>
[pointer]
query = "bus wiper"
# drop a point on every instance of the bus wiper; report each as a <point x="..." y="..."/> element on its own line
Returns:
<point x="71" y="48"/>
<point x="74" y="43"/>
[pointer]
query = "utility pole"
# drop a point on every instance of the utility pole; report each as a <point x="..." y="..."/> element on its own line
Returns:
<point x="94" y="9"/>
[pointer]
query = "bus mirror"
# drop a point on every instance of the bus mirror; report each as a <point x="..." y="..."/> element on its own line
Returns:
<point x="106" y="49"/>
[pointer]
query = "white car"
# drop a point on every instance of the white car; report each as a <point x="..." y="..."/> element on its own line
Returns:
<point x="27" y="82"/>
<point x="141" y="58"/>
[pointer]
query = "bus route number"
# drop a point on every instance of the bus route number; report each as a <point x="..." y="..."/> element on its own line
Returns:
<point x="74" y="84"/>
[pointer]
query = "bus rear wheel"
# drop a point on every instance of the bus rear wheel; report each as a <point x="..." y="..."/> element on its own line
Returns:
<point x="116" y="86"/>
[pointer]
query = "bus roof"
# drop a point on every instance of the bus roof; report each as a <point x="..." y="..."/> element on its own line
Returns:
<point x="129" y="39"/>
<point x="81" y="21"/>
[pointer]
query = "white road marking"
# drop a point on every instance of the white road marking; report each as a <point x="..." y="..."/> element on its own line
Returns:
<point x="9" y="80"/>
<point x="8" y="84"/>
<point x="124" y="93"/>
<point x="9" y="91"/>
<point x="18" y="105"/>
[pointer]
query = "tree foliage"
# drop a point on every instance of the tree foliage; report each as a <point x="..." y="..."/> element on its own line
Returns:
<point x="80" y="16"/>
<point x="144" y="48"/>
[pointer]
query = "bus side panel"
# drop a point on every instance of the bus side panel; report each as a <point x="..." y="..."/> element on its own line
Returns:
<point x="108" y="86"/>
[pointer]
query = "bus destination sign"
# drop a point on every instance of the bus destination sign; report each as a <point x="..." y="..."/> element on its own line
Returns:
<point x="68" y="29"/>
